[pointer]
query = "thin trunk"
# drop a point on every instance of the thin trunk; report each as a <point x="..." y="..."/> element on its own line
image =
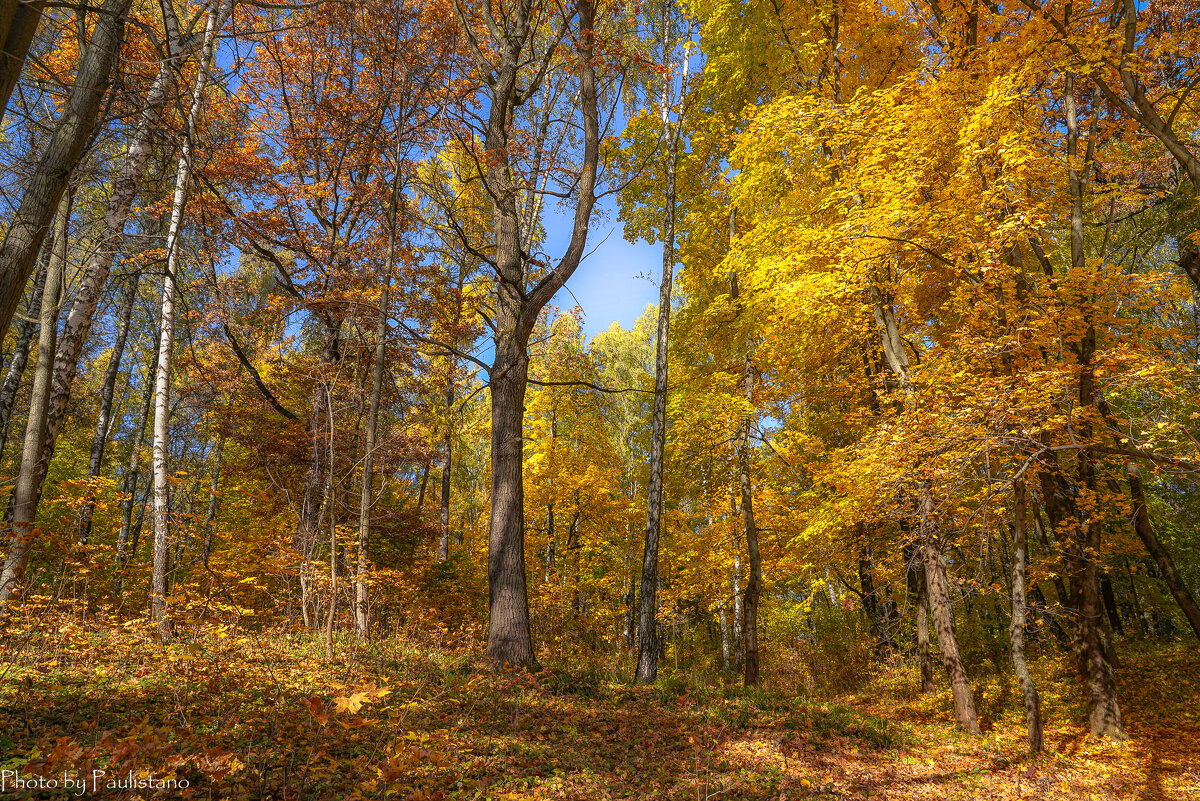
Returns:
<point x="723" y="620"/>
<point x="647" y="664"/>
<point x="1144" y="622"/>
<point x="1110" y="603"/>
<point x="130" y="481"/>
<point x="424" y="483"/>
<point x="943" y="615"/>
<point x="915" y="578"/>
<point x="331" y="502"/>
<point x="211" y="514"/>
<point x="737" y="611"/>
<point x="1166" y="566"/>
<point x="166" y="345"/>
<point x="362" y="620"/>
<point x="20" y="357"/>
<point x="754" y="561"/>
<point x="444" y="534"/>
<point x="104" y="418"/>
<point x="72" y="131"/>
<point x="24" y="497"/>
<point x="1033" y="705"/>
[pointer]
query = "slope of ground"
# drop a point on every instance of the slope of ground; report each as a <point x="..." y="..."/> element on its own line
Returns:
<point x="243" y="716"/>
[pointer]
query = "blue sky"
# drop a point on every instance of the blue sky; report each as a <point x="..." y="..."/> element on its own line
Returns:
<point x="616" y="281"/>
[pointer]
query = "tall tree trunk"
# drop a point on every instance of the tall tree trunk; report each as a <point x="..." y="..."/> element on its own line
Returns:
<point x="362" y="620"/>
<point x="647" y="664"/>
<point x="129" y="483"/>
<point x="72" y="131"/>
<point x="516" y="311"/>
<point x="1033" y="704"/>
<point x="20" y="357"/>
<point x="738" y="651"/>
<point x="915" y="580"/>
<point x="943" y="615"/>
<point x="107" y="390"/>
<point x="18" y="22"/>
<point x="1166" y="566"/>
<point x="331" y="503"/>
<point x="509" y="639"/>
<point x="210" y="514"/>
<point x="24" y="498"/>
<point x="444" y="519"/>
<point x="753" y="560"/>
<point x="95" y="273"/>
<point x="1083" y="552"/>
<point x="166" y="345"/>
<point x="314" y="496"/>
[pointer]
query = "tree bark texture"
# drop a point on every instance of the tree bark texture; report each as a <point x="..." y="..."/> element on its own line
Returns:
<point x="25" y="493"/>
<point x="943" y="615"/>
<point x="72" y="131"/>
<point x="516" y="310"/>
<point x="166" y="345"/>
<point x="1029" y="693"/>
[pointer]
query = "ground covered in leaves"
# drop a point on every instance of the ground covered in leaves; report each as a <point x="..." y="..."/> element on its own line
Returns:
<point x="243" y="715"/>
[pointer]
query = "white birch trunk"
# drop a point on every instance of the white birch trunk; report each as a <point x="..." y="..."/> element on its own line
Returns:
<point x="162" y="385"/>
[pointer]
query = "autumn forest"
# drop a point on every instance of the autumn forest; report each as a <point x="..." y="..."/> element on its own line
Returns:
<point x="321" y="483"/>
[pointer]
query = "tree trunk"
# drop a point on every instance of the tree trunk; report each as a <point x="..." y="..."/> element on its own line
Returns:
<point x="943" y="615"/>
<point x="1166" y="566"/>
<point x="18" y="23"/>
<point x="516" y="310"/>
<point x="211" y="514"/>
<point x="25" y="494"/>
<point x="737" y="611"/>
<point x="1033" y="705"/>
<point x="104" y="418"/>
<point x="72" y="131"/>
<point x="509" y="638"/>
<point x="753" y="560"/>
<point x="915" y="580"/>
<point x="444" y="535"/>
<point x="20" y="356"/>
<point x="130" y="481"/>
<point x="1083" y="552"/>
<point x="331" y="503"/>
<point x="424" y="483"/>
<point x="647" y="664"/>
<point x="362" y="620"/>
<point x="166" y="345"/>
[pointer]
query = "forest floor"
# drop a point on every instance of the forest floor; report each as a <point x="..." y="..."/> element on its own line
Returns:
<point x="267" y="716"/>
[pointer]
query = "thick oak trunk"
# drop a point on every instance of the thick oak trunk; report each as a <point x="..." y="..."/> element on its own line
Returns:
<point x="509" y="638"/>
